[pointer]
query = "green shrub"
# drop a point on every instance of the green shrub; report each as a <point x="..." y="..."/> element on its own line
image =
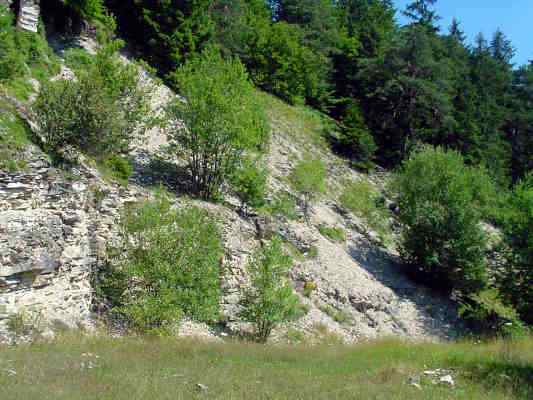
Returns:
<point x="309" y="178"/>
<point x="338" y="316"/>
<point x="516" y="285"/>
<point x="333" y="233"/>
<point x="249" y="183"/>
<point x="12" y="62"/>
<point x="221" y="116"/>
<point x="442" y="240"/>
<point x="119" y="168"/>
<point x="362" y="199"/>
<point x="283" y="204"/>
<point x="14" y="138"/>
<point x="23" y="53"/>
<point x="78" y="59"/>
<point x="167" y="266"/>
<point x="487" y="314"/>
<point x="88" y="9"/>
<point x="270" y="300"/>
<point x="99" y="111"/>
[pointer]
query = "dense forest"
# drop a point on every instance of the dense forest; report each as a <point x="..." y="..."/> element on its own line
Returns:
<point x="390" y="87"/>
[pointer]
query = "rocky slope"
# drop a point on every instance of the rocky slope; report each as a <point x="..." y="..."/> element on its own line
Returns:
<point x="54" y="226"/>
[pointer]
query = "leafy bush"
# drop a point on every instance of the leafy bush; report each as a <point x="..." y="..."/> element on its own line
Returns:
<point x="333" y="233"/>
<point x="309" y="178"/>
<point x="486" y="313"/>
<point x="442" y="240"/>
<point x="11" y="59"/>
<point x="14" y="137"/>
<point x="119" y="168"/>
<point x="517" y="285"/>
<point x="99" y="111"/>
<point x="21" y="51"/>
<point x="338" y="316"/>
<point x="283" y="204"/>
<point x="167" y="266"/>
<point x="362" y="199"/>
<point x="249" y="183"/>
<point x="88" y="9"/>
<point x="221" y="116"/>
<point x="270" y="300"/>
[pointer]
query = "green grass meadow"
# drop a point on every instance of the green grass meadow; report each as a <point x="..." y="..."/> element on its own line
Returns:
<point x="134" y="368"/>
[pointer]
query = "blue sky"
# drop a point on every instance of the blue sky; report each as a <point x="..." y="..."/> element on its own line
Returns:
<point x="513" y="17"/>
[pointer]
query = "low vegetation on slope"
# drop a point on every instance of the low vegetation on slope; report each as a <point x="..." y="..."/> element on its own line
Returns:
<point x="97" y="368"/>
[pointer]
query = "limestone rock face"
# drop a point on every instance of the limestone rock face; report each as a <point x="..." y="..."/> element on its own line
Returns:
<point x="45" y="245"/>
<point x="28" y="16"/>
<point x="52" y="234"/>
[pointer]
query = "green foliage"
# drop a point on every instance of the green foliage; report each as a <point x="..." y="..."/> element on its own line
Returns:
<point x="309" y="178"/>
<point x="22" y="52"/>
<point x="388" y="87"/>
<point x="517" y="281"/>
<point x="362" y="199"/>
<point x="14" y="137"/>
<point x="249" y="183"/>
<point x="270" y="300"/>
<point x="338" y="316"/>
<point x="487" y="314"/>
<point x="167" y="32"/>
<point x="240" y="25"/>
<point x="221" y="116"/>
<point x="92" y="10"/>
<point x="356" y="139"/>
<point x="167" y="266"/>
<point x="410" y="93"/>
<point x="284" y="67"/>
<point x="333" y="233"/>
<point x="119" y="168"/>
<point x="283" y="204"/>
<point x="12" y="61"/>
<point x="521" y="123"/>
<point x="99" y="111"/>
<point x="442" y="240"/>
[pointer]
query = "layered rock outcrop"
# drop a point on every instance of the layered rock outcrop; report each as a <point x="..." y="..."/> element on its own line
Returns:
<point x="28" y="13"/>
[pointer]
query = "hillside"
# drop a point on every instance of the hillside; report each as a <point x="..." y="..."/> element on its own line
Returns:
<point x="286" y="199"/>
<point x="359" y="291"/>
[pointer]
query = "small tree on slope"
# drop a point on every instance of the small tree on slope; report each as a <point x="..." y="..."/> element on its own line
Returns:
<point x="221" y="117"/>
<point x="270" y="300"/>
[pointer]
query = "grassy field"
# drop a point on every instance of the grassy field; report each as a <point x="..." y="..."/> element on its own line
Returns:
<point x="103" y="368"/>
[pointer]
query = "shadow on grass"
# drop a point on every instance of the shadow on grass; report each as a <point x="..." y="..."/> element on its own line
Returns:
<point x="514" y="376"/>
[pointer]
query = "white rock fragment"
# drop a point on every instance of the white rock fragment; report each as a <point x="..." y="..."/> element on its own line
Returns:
<point x="202" y="387"/>
<point x="447" y="380"/>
